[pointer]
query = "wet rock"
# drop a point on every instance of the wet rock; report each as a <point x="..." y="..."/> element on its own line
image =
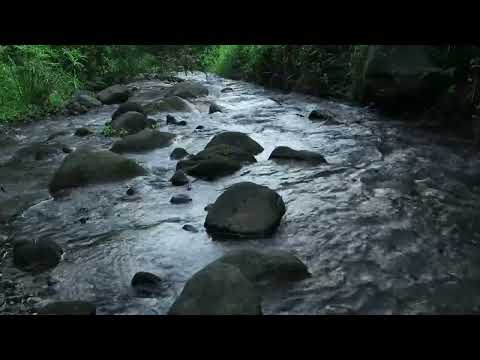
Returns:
<point x="67" y="150"/>
<point x="226" y="151"/>
<point x="36" y="256"/>
<point x="145" y="283"/>
<point x="115" y="94"/>
<point x="76" y="108"/>
<point x="127" y="107"/>
<point x="190" y="228"/>
<point x="286" y="153"/>
<point x="131" y="191"/>
<point x="200" y="127"/>
<point x="69" y="308"/>
<point x="85" y="167"/>
<point x="178" y="154"/>
<point x="179" y="178"/>
<point x="260" y="265"/>
<point x="145" y="140"/>
<point x="57" y="134"/>
<point x="226" y="90"/>
<point x="218" y="289"/>
<point x="208" y="207"/>
<point x="212" y="169"/>
<point x="188" y="89"/>
<point x="171" y="120"/>
<point x="245" y="210"/>
<point x="237" y="139"/>
<point x="181" y="123"/>
<point x="81" y="132"/>
<point x="83" y="220"/>
<point x="131" y="121"/>
<point x="214" y="108"/>
<point x="321" y="115"/>
<point x="88" y="100"/>
<point x="35" y="152"/>
<point x="169" y="104"/>
<point x="180" y="199"/>
<point x="151" y="122"/>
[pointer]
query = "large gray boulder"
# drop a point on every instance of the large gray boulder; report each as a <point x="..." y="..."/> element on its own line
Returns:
<point x="210" y="169"/>
<point x="227" y="151"/>
<point x="286" y="153"/>
<point x="85" y="167"/>
<point x="168" y="104"/>
<point x="145" y="140"/>
<point x="188" y="89"/>
<point x="245" y="210"/>
<point x="237" y="139"/>
<point x="400" y="78"/>
<point x="267" y="265"/>
<point x="128" y="106"/>
<point x="131" y="121"/>
<point x="218" y="289"/>
<point x="36" y="256"/>
<point x="115" y="94"/>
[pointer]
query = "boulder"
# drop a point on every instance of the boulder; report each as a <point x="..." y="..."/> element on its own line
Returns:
<point x="180" y="199"/>
<point x="115" y="94"/>
<point x="35" y="152"/>
<point x="400" y="78"/>
<point x="214" y="168"/>
<point x="227" y="151"/>
<point x="179" y="178"/>
<point x="76" y="108"/>
<point x="81" y="132"/>
<point x="267" y="265"/>
<point x="128" y="106"/>
<point x="245" y="210"/>
<point x="214" y="108"/>
<point x="131" y="121"/>
<point x="237" y="139"/>
<point x="171" y="120"/>
<point x="286" y="153"/>
<point x="85" y="167"/>
<point x="321" y="115"/>
<point x="145" y="283"/>
<point x="178" y="154"/>
<point x="145" y="140"/>
<point x="36" y="256"/>
<point x="87" y="100"/>
<point x="69" y="308"/>
<point x="218" y="289"/>
<point x="169" y="104"/>
<point x="187" y="90"/>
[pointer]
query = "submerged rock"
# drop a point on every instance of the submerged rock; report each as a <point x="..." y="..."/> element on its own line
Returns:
<point x="226" y="90"/>
<point x="321" y="115"/>
<point x="145" y="140"/>
<point x="218" y="289"/>
<point x="115" y="94"/>
<point x="36" y="256"/>
<point x="245" y="210"/>
<point x="85" y="167"/>
<point x="190" y="228"/>
<point x="214" y="108"/>
<point x="237" y="139"/>
<point x="286" y="153"/>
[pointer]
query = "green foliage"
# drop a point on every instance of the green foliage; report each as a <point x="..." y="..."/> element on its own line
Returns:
<point x="37" y="79"/>
<point x="108" y="131"/>
<point x="318" y="70"/>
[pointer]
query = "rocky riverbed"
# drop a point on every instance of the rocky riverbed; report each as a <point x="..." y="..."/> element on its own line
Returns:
<point x="354" y="213"/>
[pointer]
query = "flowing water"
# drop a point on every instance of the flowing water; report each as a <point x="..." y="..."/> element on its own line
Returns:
<point x="389" y="226"/>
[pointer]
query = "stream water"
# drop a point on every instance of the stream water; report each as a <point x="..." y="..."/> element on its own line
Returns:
<point x="390" y="226"/>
